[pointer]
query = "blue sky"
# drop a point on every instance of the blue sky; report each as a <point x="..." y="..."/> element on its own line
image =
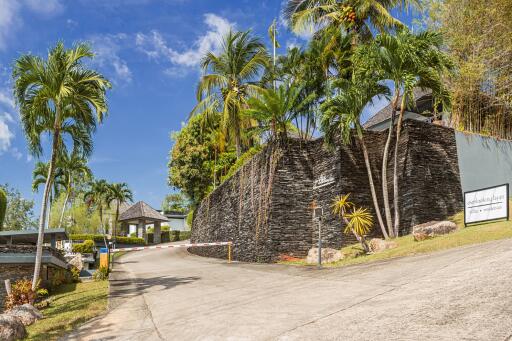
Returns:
<point x="150" y="50"/>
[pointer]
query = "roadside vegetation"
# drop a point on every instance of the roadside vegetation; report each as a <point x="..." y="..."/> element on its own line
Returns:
<point x="407" y="246"/>
<point x="70" y="306"/>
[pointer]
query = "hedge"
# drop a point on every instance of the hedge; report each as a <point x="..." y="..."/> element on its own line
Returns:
<point x="86" y="247"/>
<point x="170" y="236"/>
<point x="99" y="238"/>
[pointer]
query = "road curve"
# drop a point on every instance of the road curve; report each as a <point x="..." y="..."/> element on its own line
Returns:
<point x="168" y="294"/>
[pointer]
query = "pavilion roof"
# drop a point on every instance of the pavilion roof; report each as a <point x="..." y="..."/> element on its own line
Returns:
<point x="141" y="210"/>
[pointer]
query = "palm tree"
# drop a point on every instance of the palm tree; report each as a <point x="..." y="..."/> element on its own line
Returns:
<point x="275" y="109"/>
<point x="120" y="193"/>
<point x="74" y="170"/>
<point x="97" y="196"/>
<point x="341" y="119"/>
<point x="39" y="175"/>
<point x="358" y="16"/>
<point x="228" y="82"/>
<point x="409" y="61"/>
<point x="58" y="96"/>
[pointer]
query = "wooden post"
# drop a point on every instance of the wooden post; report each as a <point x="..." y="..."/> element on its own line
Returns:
<point x="8" y="287"/>
<point x="229" y="253"/>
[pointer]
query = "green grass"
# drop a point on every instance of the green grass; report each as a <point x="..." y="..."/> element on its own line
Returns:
<point x="407" y="246"/>
<point x="72" y="305"/>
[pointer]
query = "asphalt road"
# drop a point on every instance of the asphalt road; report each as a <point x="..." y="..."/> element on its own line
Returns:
<point x="460" y="294"/>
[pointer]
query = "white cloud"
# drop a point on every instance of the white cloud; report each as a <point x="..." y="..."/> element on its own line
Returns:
<point x="155" y="46"/>
<point x="107" y="49"/>
<point x="45" y="7"/>
<point x="11" y="18"/>
<point x="6" y="135"/>
<point x="6" y="99"/>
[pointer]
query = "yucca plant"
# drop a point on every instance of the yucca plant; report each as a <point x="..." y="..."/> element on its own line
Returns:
<point x="358" y="221"/>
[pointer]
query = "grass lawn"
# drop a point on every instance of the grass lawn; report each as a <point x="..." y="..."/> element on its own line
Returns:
<point x="72" y="305"/>
<point x="473" y="234"/>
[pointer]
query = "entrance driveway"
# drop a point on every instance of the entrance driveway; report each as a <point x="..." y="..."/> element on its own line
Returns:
<point x="167" y="294"/>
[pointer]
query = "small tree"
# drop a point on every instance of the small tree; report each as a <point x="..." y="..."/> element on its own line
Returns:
<point x="3" y="207"/>
<point x="358" y="221"/>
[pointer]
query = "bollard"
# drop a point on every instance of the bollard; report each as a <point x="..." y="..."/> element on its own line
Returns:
<point x="8" y="287"/>
<point x="229" y="253"/>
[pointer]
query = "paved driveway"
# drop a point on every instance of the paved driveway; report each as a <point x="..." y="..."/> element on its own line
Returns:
<point x="460" y="294"/>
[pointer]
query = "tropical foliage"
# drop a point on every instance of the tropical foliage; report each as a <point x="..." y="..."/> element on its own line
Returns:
<point x="61" y="97"/>
<point x="19" y="213"/>
<point x="358" y="220"/>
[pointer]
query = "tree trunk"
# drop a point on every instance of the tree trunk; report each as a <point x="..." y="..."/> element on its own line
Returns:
<point x="103" y="227"/>
<point x="63" y="209"/>
<point x="361" y="240"/>
<point x="238" y="143"/>
<point x="115" y="223"/>
<point x="42" y="217"/>
<point x="372" y="187"/>
<point x="395" y="168"/>
<point x="385" y="194"/>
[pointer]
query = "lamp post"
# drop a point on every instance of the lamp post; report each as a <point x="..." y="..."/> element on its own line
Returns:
<point x="318" y="213"/>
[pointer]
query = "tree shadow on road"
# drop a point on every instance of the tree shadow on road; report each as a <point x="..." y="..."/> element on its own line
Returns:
<point x="129" y="287"/>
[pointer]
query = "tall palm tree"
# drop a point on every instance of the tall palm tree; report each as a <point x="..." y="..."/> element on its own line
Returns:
<point x="97" y="196"/>
<point x="341" y="119"/>
<point x="118" y="193"/>
<point x="61" y="97"/>
<point x="229" y="81"/>
<point x="409" y="60"/>
<point x="275" y="109"/>
<point x="357" y="16"/>
<point x="74" y="170"/>
<point x="39" y="175"/>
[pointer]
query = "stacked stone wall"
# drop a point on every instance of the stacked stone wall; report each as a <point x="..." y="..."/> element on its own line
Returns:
<point x="265" y="207"/>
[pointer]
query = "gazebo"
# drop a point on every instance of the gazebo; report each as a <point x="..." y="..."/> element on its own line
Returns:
<point x="141" y="214"/>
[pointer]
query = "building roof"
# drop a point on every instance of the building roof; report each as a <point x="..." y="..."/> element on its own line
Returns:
<point x="141" y="210"/>
<point x="30" y="236"/>
<point x="420" y="95"/>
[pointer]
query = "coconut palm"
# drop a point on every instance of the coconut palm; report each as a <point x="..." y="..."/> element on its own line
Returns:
<point x="229" y="81"/>
<point x="341" y="119"/>
<point x="74" y="170"/>
<point x="60" y="97"/>
<point x="275" y="109"/>
<point x="409" y="61"/>
<point x="358" y="16"/>
<point x="118" y="193"/>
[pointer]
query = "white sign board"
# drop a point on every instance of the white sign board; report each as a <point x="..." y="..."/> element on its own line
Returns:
<point x="323" y="181"/>
<point x="486" y="204"/>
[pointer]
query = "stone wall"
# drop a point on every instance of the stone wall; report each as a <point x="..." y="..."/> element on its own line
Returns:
<point x="23" y="268"/>
<point x="265" y="207"/>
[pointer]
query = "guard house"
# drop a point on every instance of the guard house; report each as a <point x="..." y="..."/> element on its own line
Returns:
<point x="141" y="214"/>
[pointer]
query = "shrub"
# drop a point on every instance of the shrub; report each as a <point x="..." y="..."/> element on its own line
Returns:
<point x="101" y="274"/>
<point x="130" y="240"/>
<point x="83" y="237"/>
<point x="174" y="236"/>
<point x="58" y="277"/>
<point x="184" y="235"/>
<point x="86" y="247"/>
<point x="99" y="238"/>
<point x="21" y="293"/>
<point x="42" y="292"/>
<point x="75" y="274"/>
